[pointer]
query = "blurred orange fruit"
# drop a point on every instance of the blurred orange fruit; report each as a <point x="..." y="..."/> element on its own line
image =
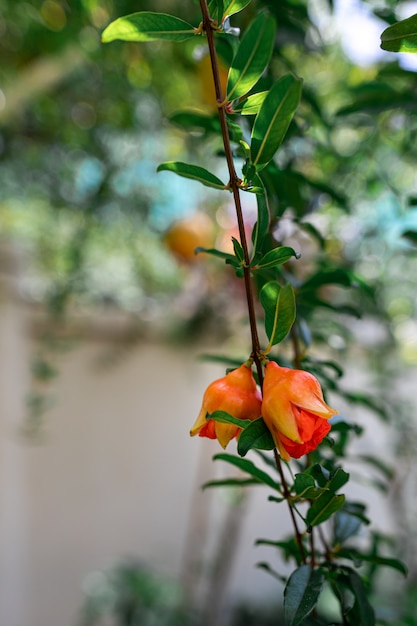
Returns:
<point x="187" y="234"/>
<point x="208" y="92"/>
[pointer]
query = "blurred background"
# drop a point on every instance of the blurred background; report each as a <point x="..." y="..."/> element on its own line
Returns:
<point x="111" y="327"/>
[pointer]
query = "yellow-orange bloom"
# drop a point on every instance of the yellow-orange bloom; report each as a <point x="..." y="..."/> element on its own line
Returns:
<point x="294" y="410"/>
<point x="237" y="394"/>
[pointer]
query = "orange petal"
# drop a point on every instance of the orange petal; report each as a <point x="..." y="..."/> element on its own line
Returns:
<point x="276" y="406"/>
<point x="200" y="422"/>
<point x="225" y="432"/>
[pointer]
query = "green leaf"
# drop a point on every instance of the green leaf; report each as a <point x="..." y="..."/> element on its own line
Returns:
<point x="195" y="172"/>
<point x="267" y="568"/>
<point x="225" y="418"/>
<point x="192" y="120"/>
<point x="231" y="7"/>
<point x="216" y="10"/>
<point x="238" y="250"/>
<point x="276" y="257"/>
<point x="250" y="468"/>
<point x="379" y="464"/>
<point x="275" y="499"/>
<point x="305" y="487"/>
<point x="231" y="482"/>
<point x="364" y="399"/>
<point x="345" y="525"/>
<point x="337" y="276"/>
<point x="273" y="119"/>
<point x="324" y="507"/>
<point x="357" y="509"/>
<point x="411" y="235"/>
<point x="279" y="305"/>
<point x="303" y="482"/>
<point x="261" y="227"/>
<point x="401" y="37"/>
<point x="320" y="474"/>
<point x="338" y="479"/>
<point x="250" y="105"/>
<point x="360" y="612"/>
<point x="147" y="26"/>
<point x="252" y="57"/>
<point x="256" y="435"/>
<point x="230" y="258"/>
<point x="301" y="594"/>
<point x="235" y="131"/>
<point x="357" y="556"/>
<point x="290" y="548"/>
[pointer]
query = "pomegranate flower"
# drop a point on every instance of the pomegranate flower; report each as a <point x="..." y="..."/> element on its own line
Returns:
<point x="294" y="410"/>
<point x="237" y="394"/>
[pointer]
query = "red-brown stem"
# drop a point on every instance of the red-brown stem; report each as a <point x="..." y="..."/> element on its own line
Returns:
<point x="312" y="549"/>
<point x="234" y="186"/>
<point x="286" y="491"/>
<point x="234" y="182"/>
<point x="296" y="348"/>
<point x="327" y="550"/>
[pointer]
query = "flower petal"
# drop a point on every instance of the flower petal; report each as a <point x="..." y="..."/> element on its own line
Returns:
<point x="225" y="432"/>
<point x="200" y="422"/>
<point x="306" y="393"/>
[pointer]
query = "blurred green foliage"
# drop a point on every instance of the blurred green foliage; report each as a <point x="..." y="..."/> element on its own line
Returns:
<point x="84" y="126"/>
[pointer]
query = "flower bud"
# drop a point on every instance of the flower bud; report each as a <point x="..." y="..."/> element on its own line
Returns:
<point x="294" y="410"/>
<point x="236" y="394"/>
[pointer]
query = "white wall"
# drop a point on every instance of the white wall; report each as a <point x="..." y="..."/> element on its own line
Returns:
<point x="116" y="475"/>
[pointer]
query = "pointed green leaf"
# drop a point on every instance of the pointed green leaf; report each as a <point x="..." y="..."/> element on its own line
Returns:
<point x="231" y="7"/>
<point x="250" y="105"/>
<point x="195" y="172"/>
<point x="401" y="37"/>
<point x="268" y="568"/>
<point x="356" y="555"/>
<point x="238" y="250"/>
<point x="273" y="119"/>
<point x="252" y="57"/>
<point x="290" y="548"/>
<point x="147" y="26"/>
<point x="225" y="418"/>
<point x="301" y="594"/>
<point x="235" y="131"/>
<point x="193" y="120"/>
<point x="216" y="10"/>
<point x="411" y="235"/>
<point x="338" y="479"/>
<point x="262" y="223"/>
<point x="379" y="464"/>
<point x="229" y="258"/>
<point x="250" y="468"/>
<point x="303" y="482"/>
<point x="361" y="612"/>
<point x="230" y="482"/>
<point x="324" y="507"/>
<point x="256" y="435"/>
<point x="337" y="276"/>
<point x="305" y="487"/>
<point x="345" y="526"/>
<point x="279" y="305"/>
<point x="276" y="257"/>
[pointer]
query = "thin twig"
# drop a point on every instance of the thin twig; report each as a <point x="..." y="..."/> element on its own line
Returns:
<point x="286" y="491"/>
<point x="234" y="183"/>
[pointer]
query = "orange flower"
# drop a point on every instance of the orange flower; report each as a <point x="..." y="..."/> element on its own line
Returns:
<point x="294" y="410"/>
<point x="237" y="394"/>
